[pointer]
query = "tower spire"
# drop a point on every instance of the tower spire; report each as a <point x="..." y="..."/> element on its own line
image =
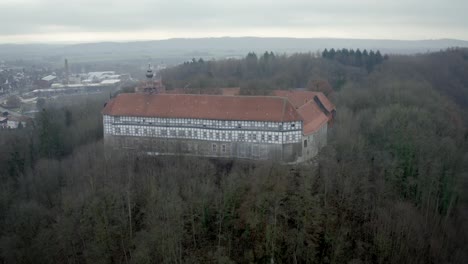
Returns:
<point x="149" y="72"/>
<point x="153" y="84"/>
<point x="149" y="79"/>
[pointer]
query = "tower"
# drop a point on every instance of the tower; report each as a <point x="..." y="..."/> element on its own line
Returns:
<point x="152" y="85"/>
<point x="149" y="87"/>
<point x="149" y="72"/>
<point x="67" y="73"/>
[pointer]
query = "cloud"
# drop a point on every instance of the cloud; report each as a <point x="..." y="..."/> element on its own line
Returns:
<point x="45" y="19"/>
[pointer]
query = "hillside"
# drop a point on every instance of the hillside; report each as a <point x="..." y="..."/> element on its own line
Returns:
<point x="178" y="50"/>
<point x="390" y="187"/>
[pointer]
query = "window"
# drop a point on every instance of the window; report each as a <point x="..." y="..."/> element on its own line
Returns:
<point x="213" y="147"/>
<point x="181" y="133"/>
<point x="230" y="135"/>
<point x="254" y="136"/>
<point x="293" y="137"/>
<point x="241" y="136"/>
<point x="173" y="133"/>
<point x="276" y="138"/>
<point x="223" y="148"/>
<point x="287" y="137"/>
<point x="117" y="130"/>
<point x="190" y="133"/>
<point x="195" y="133"/>
<point x="263" y="137"/>
<point x="239" y="125"/>
<point x="164" y="132"/>
<point x="250" y="136"/>
<point x="205" y="134"/>
<point x="127" y="130"/>
<point x="136" y="130"/>
<point x="145" y="131"/>
<point x="269" y="137"/>
<point x="223" y="135"/>
<point x="211" y="134"/>
<point x="305" y="143"/>
<point x="116" y="119"/>
<point x="217" y="135"/>
<point x="153" y="131"/>
<point x="293" y="125"/>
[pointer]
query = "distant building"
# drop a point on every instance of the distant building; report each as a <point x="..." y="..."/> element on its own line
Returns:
<point x="14" y="122"/>
<point x="47" y="81"/>
<point x="288" y="127"/>
<point x="49" y="78"/>
<point x="3" y="122"/>
<point x="97" y="77"/>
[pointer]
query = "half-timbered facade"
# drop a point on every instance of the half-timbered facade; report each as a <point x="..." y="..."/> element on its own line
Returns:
<point x="252" y="127"/>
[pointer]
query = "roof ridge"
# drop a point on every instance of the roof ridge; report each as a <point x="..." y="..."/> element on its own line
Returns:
<point x="284" y="109"/>
<point x="303" y="105"/>
<point x="211" y="95"/>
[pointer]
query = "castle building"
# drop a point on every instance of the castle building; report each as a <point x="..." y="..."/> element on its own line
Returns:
<point x="289" y="127"/>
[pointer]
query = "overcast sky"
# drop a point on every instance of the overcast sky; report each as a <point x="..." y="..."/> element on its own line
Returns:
<point x="121" y="20"/>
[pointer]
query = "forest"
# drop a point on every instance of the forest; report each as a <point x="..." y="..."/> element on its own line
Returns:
<point x="390" y="187"/>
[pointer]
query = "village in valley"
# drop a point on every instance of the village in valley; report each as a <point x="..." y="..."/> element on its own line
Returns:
<point x="24" y="90"/>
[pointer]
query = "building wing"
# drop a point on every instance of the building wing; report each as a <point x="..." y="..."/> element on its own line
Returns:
<point x="256" y="108"/>
<point x="314" y="107"/>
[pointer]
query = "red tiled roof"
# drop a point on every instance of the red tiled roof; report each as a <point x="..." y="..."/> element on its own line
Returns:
<point x="313" y="118"/>
<point x="299" y="98"/>
<point x="326" y="103"/>
<point x="257" y="108"/>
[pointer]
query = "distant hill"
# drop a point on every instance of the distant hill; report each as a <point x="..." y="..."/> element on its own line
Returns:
<point x="183" y="49"/>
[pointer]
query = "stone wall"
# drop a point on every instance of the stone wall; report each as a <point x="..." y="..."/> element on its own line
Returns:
<point x="166" y="146"/>
<point x="313" y="143"/>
